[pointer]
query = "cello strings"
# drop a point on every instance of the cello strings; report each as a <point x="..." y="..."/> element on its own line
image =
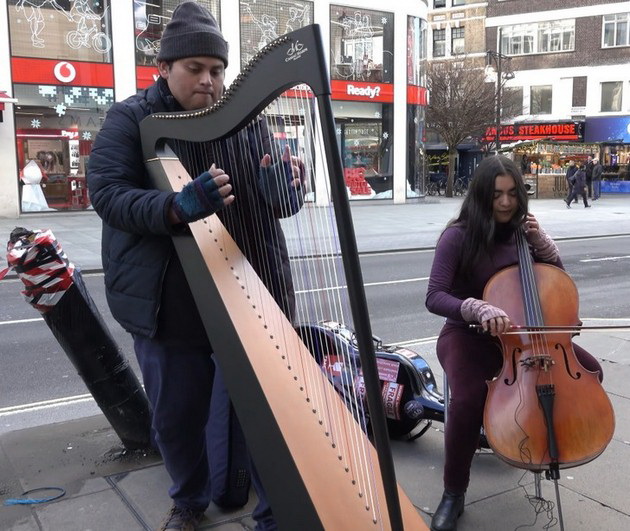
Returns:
<point x="533" y="317"/>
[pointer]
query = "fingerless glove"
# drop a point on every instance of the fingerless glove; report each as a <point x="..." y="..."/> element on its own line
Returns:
<point x="544" y="246"/>
<point x="198" y="199"/>
<point x="475" y="310"/>
<point x="276" y="186"/>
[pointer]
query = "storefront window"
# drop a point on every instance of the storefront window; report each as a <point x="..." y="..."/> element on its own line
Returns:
<point x="262" y="21"/>
<point x="55" y="129"/>
<point x="361" y="44"/>
<point x="150" y="17"/>
<point x="365" y="138"/>
<point x="416" y="50"/>
<point x="78" y="30"/>
<point x="416" y="69"/>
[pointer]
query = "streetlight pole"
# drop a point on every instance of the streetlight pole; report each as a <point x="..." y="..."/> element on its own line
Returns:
<point x="497" y="58"/>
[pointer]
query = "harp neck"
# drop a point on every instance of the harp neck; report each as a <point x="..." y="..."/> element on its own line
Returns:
<point x="297" y="57"/>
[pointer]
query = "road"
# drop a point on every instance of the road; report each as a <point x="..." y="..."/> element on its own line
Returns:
<point x="39" y="385"/>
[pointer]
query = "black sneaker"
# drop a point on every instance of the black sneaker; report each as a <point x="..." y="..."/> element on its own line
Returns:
<point x="181" y="519"/>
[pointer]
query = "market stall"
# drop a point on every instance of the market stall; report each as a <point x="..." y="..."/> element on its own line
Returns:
<point x="544" y="163"/>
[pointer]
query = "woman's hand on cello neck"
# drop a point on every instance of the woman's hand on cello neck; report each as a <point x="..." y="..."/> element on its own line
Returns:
<point x="544" y="246"/>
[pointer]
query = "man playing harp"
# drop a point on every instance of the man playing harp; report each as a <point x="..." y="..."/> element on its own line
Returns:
<point x="145" y="283"/>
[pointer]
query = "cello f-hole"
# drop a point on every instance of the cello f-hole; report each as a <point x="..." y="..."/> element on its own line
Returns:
<point x="515" y="354"/>
<point x="567" y="366"/>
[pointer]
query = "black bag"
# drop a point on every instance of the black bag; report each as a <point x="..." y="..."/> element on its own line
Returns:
<point x="227" y="451"/>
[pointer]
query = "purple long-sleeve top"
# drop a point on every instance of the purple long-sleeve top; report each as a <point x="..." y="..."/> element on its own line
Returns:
<point x="449" y="287"/>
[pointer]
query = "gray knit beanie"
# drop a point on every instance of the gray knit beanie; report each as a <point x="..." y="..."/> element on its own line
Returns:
<point x="192" y="32"/>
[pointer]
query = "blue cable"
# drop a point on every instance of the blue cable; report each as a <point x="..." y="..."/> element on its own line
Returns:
<point x="27" y="501"/>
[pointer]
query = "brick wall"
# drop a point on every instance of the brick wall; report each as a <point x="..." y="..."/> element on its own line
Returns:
<point x="512" y="7"/>
<point x="473" y="21"/>
<point x="588" y="49"/>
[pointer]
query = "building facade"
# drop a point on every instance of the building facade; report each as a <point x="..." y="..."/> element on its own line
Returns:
<point x="571" y="65"/>
<point x="65" y="62"/>
<point x="457" y="29"/>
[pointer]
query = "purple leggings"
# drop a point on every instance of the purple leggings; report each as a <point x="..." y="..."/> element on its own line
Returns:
<point x="470" y="359"/>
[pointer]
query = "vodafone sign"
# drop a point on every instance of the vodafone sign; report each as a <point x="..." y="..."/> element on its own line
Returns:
<point x="54" y="72"/>
<point x="65" y="72"/>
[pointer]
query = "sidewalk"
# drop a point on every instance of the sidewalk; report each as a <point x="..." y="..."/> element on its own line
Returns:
<point x="378" y="225"/>
<point x="109" y="490"/>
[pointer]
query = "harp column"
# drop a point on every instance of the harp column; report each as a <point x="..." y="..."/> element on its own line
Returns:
<point x="321" y="16"/>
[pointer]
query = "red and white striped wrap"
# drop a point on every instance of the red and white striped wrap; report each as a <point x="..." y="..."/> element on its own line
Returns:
<point x="42" y="266"/>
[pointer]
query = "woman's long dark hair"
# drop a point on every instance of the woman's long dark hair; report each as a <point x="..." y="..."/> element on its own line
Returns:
<point x="476" y="215"/>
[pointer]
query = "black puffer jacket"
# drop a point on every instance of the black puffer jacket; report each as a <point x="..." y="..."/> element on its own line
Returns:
<point x="146" y="289"/>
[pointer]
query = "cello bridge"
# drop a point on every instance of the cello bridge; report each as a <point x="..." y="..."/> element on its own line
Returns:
<point x="543" y="362"/>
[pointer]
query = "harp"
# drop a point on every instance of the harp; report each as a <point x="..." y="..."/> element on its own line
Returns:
<point x="318" y="467"/>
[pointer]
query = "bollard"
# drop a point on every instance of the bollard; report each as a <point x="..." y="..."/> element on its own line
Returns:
<point x="56" y="289"/>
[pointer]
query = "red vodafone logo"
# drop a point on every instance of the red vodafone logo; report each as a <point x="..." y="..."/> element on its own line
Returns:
<point x="55" y="72"/>
<point x="65" y="72"/>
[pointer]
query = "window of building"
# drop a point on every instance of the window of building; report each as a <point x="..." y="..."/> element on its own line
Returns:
<point x="611" y="96"/>
<point x="416" y="67"/>
<point x="616" y="30"/>
<point x="459" y="2"/>
<point x="55" y="128"/>
<point x="361" y="44"/>
<point x="150" y="17"/>
<point x="518" y="40"/>
<point x="365" y="138"/>
<point x="439" y="3"/>
<point x="74" y="31"/>
<point x="542" y="37"/>
<point x="512" y="102"/>
<point x="416" y="50"/>
<point x="556" y="36"/>
<point x="263" y="21"/>
<point x="439" y="43"/>
<point x="458" y="44"/>
<point x="540" y="99"/>
<point x="579" y="91"/>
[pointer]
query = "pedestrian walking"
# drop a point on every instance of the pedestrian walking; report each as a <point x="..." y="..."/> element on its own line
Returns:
<point x="588" y="169"/>
<point x="578" y="188"/>
<point x="570" y="175"/>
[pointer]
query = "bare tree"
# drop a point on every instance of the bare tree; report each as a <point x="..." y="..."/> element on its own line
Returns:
<point x="461" y="106"/>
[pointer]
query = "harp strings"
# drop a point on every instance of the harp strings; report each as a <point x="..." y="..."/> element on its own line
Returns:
<point x="317" y="275"/>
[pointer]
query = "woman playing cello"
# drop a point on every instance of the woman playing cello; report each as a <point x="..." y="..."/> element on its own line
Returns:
<point x="474" y="246"/>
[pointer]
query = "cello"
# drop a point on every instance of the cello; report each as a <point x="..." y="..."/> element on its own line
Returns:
<point x="544" y="411"/>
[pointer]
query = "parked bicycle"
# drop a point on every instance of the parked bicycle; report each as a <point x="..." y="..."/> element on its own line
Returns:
<point x="460" y="186"/>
